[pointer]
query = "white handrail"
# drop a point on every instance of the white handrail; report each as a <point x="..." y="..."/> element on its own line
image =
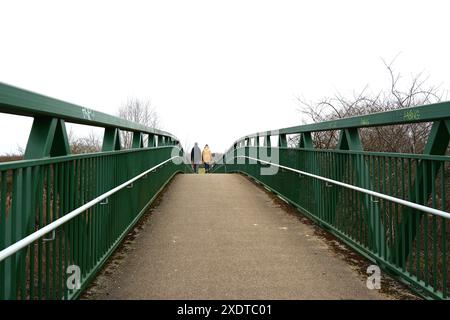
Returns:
<point x="410" y="204"/>
<point x="5" y="253"/>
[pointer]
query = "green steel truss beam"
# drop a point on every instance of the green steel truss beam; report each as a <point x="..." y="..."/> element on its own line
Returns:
<point x="349" y="140"/>
<point x="111" y="140"/>
<point x="161" y="141"/>
<point x="138" y="140"/>
<point x="151" y="140"/>
<point x="247" y="149"/>
<point x="306" y="140"/>
<point x="48" y="138"/>
<point x="282" y="142"/>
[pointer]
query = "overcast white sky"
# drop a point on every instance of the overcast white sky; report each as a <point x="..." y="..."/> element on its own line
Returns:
<point x="215" y="70"/>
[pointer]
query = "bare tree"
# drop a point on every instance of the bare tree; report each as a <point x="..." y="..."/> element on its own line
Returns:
<point x="89" y="144"/>
<point x="13" y="156"/>
<point x="139" y="111"/>
<point x="401" y="138"/>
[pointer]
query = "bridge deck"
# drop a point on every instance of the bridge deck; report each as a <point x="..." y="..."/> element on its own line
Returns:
<point x="221" y="237"/>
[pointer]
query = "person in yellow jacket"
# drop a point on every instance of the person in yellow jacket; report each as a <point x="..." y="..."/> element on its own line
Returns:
<point x="206" y="157"/>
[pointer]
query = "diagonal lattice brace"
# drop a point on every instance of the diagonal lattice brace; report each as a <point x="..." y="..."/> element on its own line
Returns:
<point x="349" y="139"/>
<point x="48" y="138"/>
<point x="111" y="139"/>
<point x="138" y="140"/>
<point x="437" y="144"/>
<point x="306" y="141"/>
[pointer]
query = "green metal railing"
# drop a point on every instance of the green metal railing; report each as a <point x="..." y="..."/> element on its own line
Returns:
<point x="367" y="199"/>
<point x="50" y="184"/>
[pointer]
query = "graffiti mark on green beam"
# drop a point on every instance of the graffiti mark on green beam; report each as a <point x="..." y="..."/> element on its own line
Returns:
<point x="88" y="113"/>
<point x="411" y="115"/>
<point x="365" y="122"/>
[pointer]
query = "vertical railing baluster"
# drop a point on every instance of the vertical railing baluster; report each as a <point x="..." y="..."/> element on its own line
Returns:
<point x="3" y="233"/>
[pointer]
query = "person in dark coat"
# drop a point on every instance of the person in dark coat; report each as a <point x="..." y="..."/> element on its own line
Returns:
<point x="196" y="157"/>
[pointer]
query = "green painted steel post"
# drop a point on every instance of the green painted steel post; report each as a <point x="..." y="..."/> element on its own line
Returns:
<point x="151" y="140"/>
<point x="267" y="144"/>
<point x="306" y="140"/>
<point x="111" y="139"/>
<point x="282" y="142"/>
<point x="138" y="140"/>
<point x="160" y="141"/>
<point x="246" y="150"/>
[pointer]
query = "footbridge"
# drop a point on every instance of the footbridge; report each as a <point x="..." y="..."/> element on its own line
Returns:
<point x="277" y="217"/>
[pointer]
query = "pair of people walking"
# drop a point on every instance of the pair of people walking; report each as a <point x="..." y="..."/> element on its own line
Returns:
<point x="198" y="157"/>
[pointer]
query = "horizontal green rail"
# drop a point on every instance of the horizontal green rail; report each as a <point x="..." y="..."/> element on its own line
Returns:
<point x="401" y="236"/>
<point x="48" y="136"/>
<point x="427" y="113"/>
<point x="50" y="185"/>
<point x="26" y="103"/>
